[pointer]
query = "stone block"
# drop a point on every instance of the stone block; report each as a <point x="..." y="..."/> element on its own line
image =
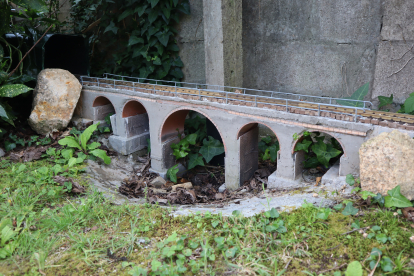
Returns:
<point x="383" y="123"/>
<point x="374" y="121"/>
<point x="129" y="145"/>
<point x="397" y="22"/>
<point x="393" y="75"/>
<point x="100" y="112"/>
<point x="386" y="161"/>
<point x="136" y="125"/>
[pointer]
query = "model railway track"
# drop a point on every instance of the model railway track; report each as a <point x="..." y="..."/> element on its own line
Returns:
<point x="388" y="119"/>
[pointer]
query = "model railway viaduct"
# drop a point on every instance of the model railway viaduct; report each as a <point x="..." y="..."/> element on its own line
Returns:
<point x="156" y="110"/>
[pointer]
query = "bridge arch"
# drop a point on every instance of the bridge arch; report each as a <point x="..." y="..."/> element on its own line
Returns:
<point x="168" y="135"/>
<point x="102" y="107"/>
<point x="176" y="119"/>
<point x="299" y="156"/>
<point x="252" y="150"/>
<point x="132" y="108"/>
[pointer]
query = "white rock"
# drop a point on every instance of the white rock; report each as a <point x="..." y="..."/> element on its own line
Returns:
<point x="55" y="97"/>
<point x="222" y="188"/>
<point x="2" y="153"/>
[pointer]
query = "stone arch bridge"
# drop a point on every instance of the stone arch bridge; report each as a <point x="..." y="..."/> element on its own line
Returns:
<point x="156" y="110"/>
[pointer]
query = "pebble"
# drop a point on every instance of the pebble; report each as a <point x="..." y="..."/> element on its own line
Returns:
<point x="222" y="188"/>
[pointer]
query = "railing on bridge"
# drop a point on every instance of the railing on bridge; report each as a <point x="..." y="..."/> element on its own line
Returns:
<point x="289" y="102"/>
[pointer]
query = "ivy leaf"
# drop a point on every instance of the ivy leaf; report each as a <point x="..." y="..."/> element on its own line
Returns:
<point x="175" y="3"/>
<point x="396" y="199"/>
<point x="385" y="100"/>
<point x="358" y="95"/>
<point x="350" y="180"/>
<point x="191" y="139"/>
<point x="184" y="7"/>
<point x="304" y="145"/>
<point x="125" y="14"/>
<point x="195" y="160"/>
<point x="152" y="16"/>
<point x="325" y="152"/>
<point x="140" y="10"/>
<point x="134" y="40"/>
<point x="178" y="62"/>
<point x="166" y="12"/>
<point x="176" y="72"/>
<point x="312" y="162"/>
<point x="273" y="149"/>
<point x="111" y="27"/>
<point x="211" y="148"/>
<point x="381" y="238"/>
<point x="139" y="51"/>
<point x="349" y="210"/>
<point x="172" y="173"/>
<point x="13" y="90"/>
<point x="157" y="61"/>
<point x="409" y="104"/>
<point x="153" y="3"/>
<point x="38" y="5"/>
<point x="163" y="37"/>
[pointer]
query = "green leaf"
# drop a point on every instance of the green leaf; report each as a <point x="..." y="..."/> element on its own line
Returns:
<point x="366" y="194"/>
<point x="93" y="145"/>
<point x="71" y="162"/>
<point x="272" y="213"/>
<point x="67" y="153"/>
<point x="175" y="2"/>
<point x="152" y="16"/>
<point x="409" y="104"/>
<point x="81" y="157"/>
<point x="273" y="149"/>
<point x="13" y="90"/>
<point x="155" y="265"/>
<point x="349" y="210"/>
<point x="358" y="95"/>
<point x="101" y="154"/>
<point x="396" y="199"/>
<point x="111" y="27"/>
<point x="126" y="13"/>
<point x="191" y="139"/>
<point x="354" y="269"/>
<point x="325" y="152"/>
<point x="153" y="3"/>
<point x="86" y="135"/>
<point x="172" y="173"/>
<point x="385" y="100"/>
<point x="134" y="40"/>
<point x="338" y="206"/>
<point x="6" y="234"/>
<point x="312" y="162"/>
<point x="381" y="238"/>
<point x="163" y="37"/>
<point x="177" y="73"/>
<point x="211" y="148"/>
<point x="304" y="145"/>
<point x="231" y="252"/>
<point x="70" y="141"/>
<point x="3" y="112"/>
<point x="140" y="9"/>
<point x="350" y="179"/>
<point x="166" y="12"/>
<point x="184" y="7"/>
<point x="195" y="160"/>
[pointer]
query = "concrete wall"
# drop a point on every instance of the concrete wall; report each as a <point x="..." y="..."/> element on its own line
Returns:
<point x="320" y="47"/>
<point x="191" y="43"/>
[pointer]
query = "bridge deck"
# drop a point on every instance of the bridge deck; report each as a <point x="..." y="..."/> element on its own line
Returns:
<point x="288" y="102"/>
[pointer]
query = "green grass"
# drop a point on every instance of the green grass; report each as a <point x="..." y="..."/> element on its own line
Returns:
<point x="60" y="234"/>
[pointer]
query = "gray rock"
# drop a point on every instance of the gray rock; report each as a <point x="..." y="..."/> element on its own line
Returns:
<point x="55" y="97"/>
<point x="158" y="182"/>
<point x="2" y="153"/>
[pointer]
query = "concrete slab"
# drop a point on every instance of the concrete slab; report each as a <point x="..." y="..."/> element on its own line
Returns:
<point x="127" y="146"/>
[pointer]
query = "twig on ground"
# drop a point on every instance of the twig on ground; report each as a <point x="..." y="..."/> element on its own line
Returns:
<point x="349" y="232"/>
<point x="375" y="267"/>
<point x="286" y="266"/>
<point x="327" y="270"/>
